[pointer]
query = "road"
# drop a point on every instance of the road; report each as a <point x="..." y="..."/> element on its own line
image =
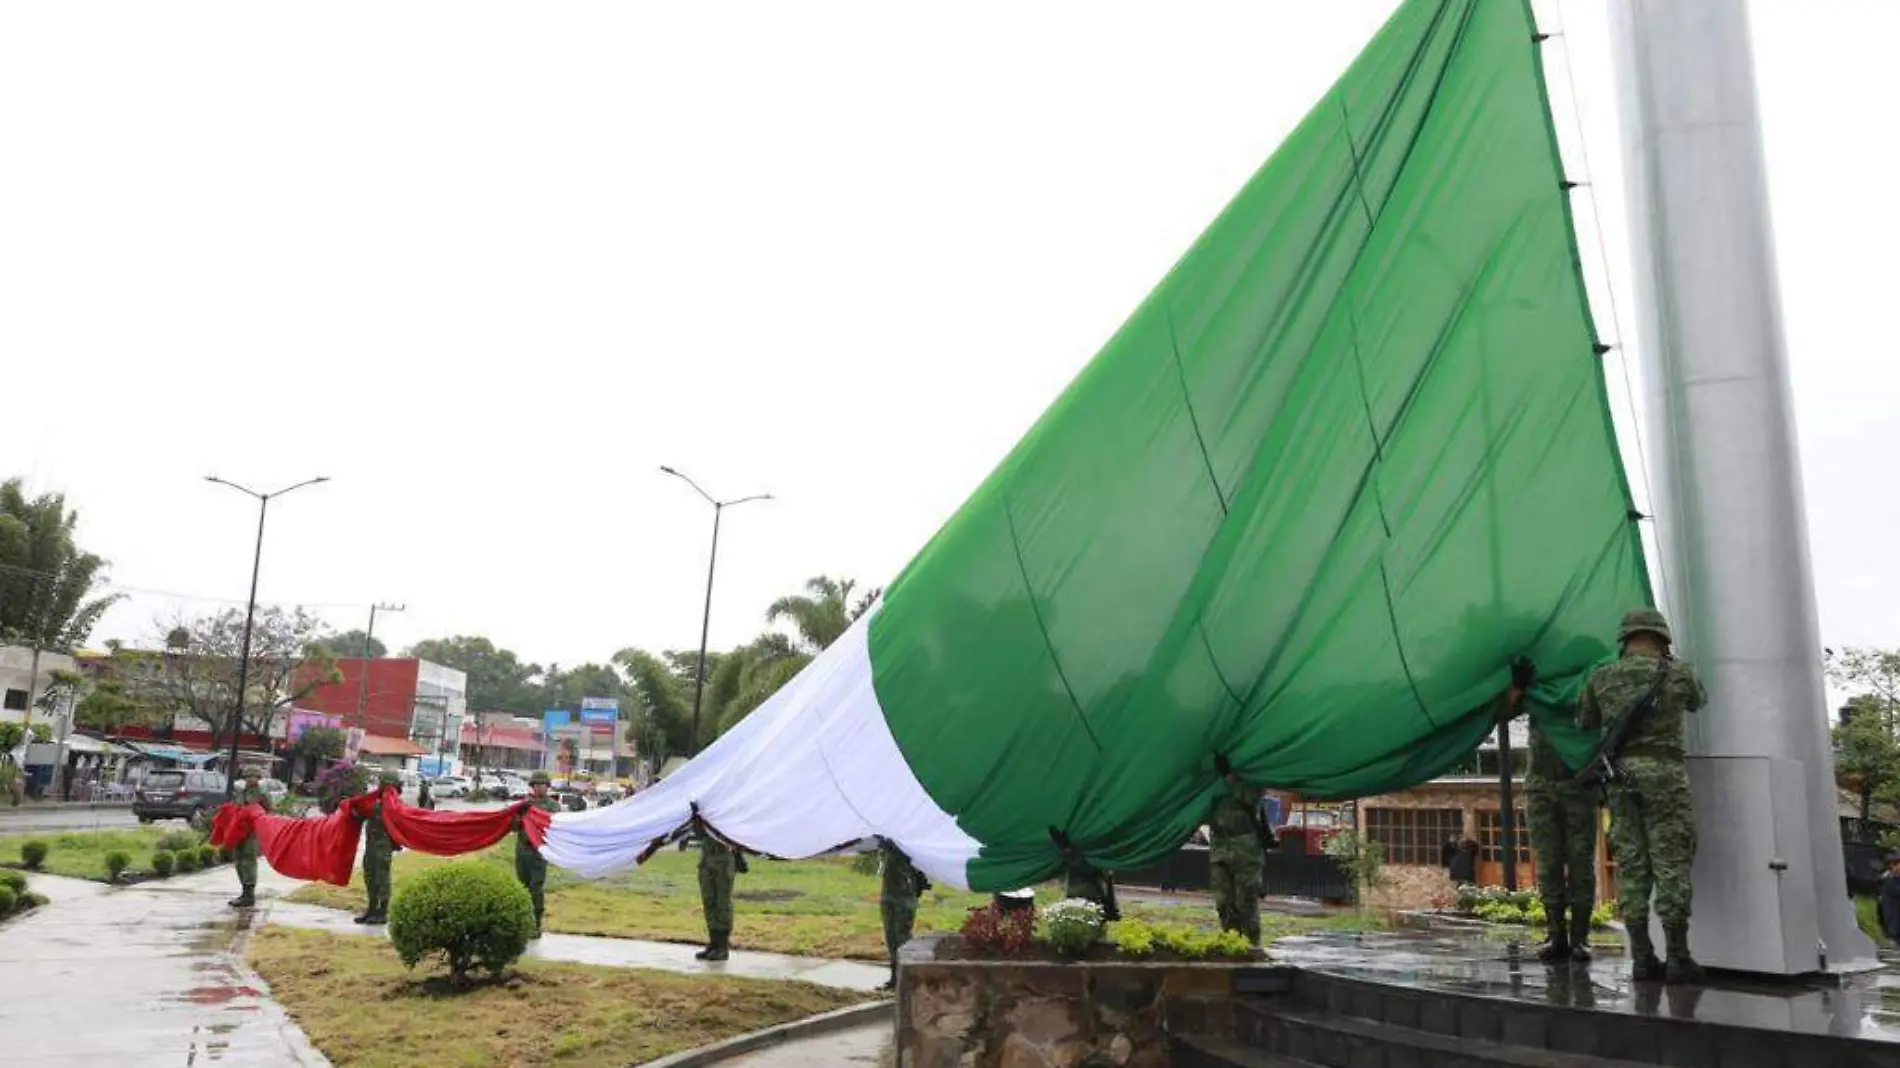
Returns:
<point x="31" y="818"/>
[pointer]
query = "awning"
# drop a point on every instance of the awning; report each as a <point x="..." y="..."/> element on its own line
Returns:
<point x="377" y="745"/>
<point x="166" y="751"/>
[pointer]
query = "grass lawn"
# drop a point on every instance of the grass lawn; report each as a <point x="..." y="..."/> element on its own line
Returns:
<point x="82" y="854"/>
<point x="361" y="1007"/>
<point x="811" y="907"/>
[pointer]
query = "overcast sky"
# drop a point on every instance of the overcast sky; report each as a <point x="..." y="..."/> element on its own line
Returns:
<point x="489" y="266"/>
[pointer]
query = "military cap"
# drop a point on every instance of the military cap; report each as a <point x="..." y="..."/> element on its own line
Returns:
<point x="1644" y="621"/>
<point x="389" y="778"/>
<point x="539" y="778"/>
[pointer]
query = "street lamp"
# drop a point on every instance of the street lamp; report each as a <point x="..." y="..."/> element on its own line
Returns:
<point x="250" y="615"/>
<point x="705" y="624"/>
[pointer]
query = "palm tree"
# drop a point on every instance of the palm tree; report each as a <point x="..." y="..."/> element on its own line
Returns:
<point x="821" y="615"/>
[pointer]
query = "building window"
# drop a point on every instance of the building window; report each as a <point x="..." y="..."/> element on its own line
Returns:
<point x="16" y="700"/>
<point x="1491" y="836"/>
<point x="1414" y="835"/>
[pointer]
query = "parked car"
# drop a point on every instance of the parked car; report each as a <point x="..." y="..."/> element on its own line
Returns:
<point x="178" y="794"/>
<point x="450" y="786"/>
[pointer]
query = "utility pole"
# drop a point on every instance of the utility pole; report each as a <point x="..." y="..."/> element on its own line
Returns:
<point x="369" y="636"/>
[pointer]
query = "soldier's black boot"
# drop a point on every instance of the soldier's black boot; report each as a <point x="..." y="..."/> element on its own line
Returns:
<point x="1682" y="967"/>
<point x="1580" y="935"/>
<point x="1644" y="967"/>
<point x="244" y="900"/>
<point x="366" y="917"/>
<point x="721" y="944"/>
<point x="891" y="983"/>
<point x="1557" y="948"/>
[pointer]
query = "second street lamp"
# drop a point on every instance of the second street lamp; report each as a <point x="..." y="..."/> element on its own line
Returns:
<point x="705" y="623"/>
<point x="250" y="615"/>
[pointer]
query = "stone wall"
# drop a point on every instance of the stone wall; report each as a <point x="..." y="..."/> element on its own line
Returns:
<point x="1032" y="1014"/>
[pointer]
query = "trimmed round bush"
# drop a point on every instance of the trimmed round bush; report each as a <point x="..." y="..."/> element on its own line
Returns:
<point x="207" y="856"/>
<point x="13" y="880"/>
<point x="185" y="860"/>
<point x="468" y="914"/>
<point x="116" y="863"/>
<point x="162" y="863"/>
<point x="8" y="902"/>
<point x="33" y="854"/>
<point x="1072" y="926"/>
<point x="173" y="841"/>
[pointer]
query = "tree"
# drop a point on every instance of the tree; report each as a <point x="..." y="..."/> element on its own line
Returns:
<point x="198" y="672"/>
<point x="110" y="705"/>
<point x="350" y="644"/>
<point x="662" y="718"/>
<point x="314" y="745"/>
<point x="1866" y="757"/>
<point x="1872" y="672"/>
<point x="47" y="583"/>
<point x="823" y="613"/>
<point x="497" y="680"/>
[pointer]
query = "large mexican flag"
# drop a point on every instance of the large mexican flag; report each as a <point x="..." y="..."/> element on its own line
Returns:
<point x="1350" y="458"/>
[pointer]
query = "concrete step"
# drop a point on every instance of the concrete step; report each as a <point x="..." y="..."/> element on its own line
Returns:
<point x="1201" y="1052"/>
<point x="1334" y="1041"/>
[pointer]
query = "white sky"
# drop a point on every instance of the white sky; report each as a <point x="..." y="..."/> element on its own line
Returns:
<point x="488" y="266"/>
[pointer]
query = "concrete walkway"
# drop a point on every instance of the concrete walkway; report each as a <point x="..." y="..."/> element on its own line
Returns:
<point x="865" y="1046"/>
<point x="143" y="975"/>
<point x="626" y="952"/>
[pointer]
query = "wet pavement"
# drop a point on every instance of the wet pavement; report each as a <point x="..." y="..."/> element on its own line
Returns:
<point x="862" y="1047"/>
<point x="1865" y="1006"/>
<point x="629" y="953"/>
<point x="134" y="976"/>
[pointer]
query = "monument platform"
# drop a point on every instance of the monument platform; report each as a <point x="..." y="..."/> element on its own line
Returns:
<point x="1467" y="998"/>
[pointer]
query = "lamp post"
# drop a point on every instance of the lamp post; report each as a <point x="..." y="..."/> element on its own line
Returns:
<point x="362" y="689"/>
<point x="712" y="562"/>
<point x="250" y="615"/>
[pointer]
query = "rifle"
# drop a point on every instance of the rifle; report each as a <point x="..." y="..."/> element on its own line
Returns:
<point x="1602" y="769"/>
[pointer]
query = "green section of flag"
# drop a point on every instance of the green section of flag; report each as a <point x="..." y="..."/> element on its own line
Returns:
<point x="1350" y="458"/>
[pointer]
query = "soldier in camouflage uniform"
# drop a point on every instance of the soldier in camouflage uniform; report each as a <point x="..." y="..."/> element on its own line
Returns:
<point x="897" y="899"/>
<point x="530" y="866"/>
<point x="246" y="851"/>
<point x="1563" y="823"/>
<point x="1651" y="822"/>
<point x="718" y="867"/>
<point x="378" y="852"/>
<point x="1235" y="851"/>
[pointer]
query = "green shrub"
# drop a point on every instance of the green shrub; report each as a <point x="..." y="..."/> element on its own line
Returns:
<point x="115" y="865"/>
<point x="33" y="901"/>
<point x="469" y="914"/>
<point x="173" y="841"/>
<point x="1139" y="938"/>
<point x="185" y="860"/>
<point x="1602" y="916"/>
<point x="33" y="854"/>
<point x="162" y="863"/>
<point x="13" y="880"/>
<point x="1132" y="938"/>
<point x="8" y="902"/>
<point x="207" y="856"/>
<point x="1071" y="926"/>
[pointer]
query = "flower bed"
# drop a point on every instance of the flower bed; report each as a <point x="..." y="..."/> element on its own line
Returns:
<point x="1494" y="904"/>
<point x="1074" y="930"/>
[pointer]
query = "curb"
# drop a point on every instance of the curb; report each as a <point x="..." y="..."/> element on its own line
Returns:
<point x="823" y="1023"/>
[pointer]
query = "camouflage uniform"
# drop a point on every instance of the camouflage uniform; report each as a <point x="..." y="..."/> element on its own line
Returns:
<point x="1234" y="856"/>
<point x="378" y="853"/>
<point x="718" y="867"/>
<point x="1563" y="824"/>
<point x="530" y="866"/>
<point x="897" y="897"/>
<point x="245" y="855"/>
<point x="1090" y="884"/>
<point x="1652" y="825"/>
